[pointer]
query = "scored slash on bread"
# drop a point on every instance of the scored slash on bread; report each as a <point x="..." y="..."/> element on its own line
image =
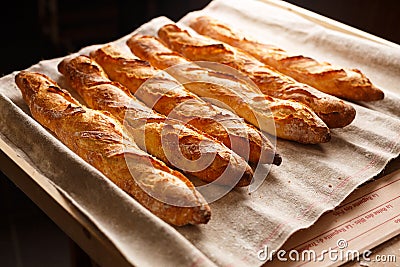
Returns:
<point x="171" y="141"/>
<point x="169" y="97"/>
<point x="293" y="121"/>
<point x="346" y="83"/>
<point x="99" y="140"/>
<point x="333" y="111"/>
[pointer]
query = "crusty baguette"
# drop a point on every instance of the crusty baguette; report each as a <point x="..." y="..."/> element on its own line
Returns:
<point x="293" y="121"/>
<point x="333" y="111"/>
<point x="346" y="83"/>
<point x="170" y="98"/>
<point x="98" y="139"/>
<point x="203" y="157"/>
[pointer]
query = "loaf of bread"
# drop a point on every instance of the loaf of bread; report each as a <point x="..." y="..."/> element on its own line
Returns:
<point x="100" y="141"/>
<point x="171" y="141"/>
<point x="293" y="121"/>
<point x="333" y="111"/>
<point x="346" y="83"/>
<point x="170" y="98"/>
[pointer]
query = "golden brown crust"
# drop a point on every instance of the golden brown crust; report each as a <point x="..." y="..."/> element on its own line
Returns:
<point x="341" y="82"/>
<point x="166" y="95"/>
<point x="333" y="111"/>
<point x="293" y="121"/>
<point x="99" y="140"/>
<point x="148" y="48"/>
<point x="161" y="137"/>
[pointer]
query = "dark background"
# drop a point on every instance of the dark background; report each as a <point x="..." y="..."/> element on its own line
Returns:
<point x="43" y="29"/>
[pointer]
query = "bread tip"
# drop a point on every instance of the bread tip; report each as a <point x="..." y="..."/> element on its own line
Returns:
<point x="339" y="119"/>
<point x="206" y="215"/>
<point x="320" y="134"/>
<point x="327" y="137"/>
<point x="20" y="75"/>
<point x="270" y="158"/>
<point x="376" y="94"/>
<point x="246" y="178"/>
<point x="367" y="94"/>
<point x="201" y="214"/>
<point x="317" y="135"/>
<point x="277" y="159"/>
<point x="61" y="66"/>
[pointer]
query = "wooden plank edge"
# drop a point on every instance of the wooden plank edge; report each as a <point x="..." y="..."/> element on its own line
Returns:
<point x="46" y="196"/>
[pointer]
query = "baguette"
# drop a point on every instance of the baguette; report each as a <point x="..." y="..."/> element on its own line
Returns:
<point x="170" y="98"/>
<point x="98" y="139"/>
<point x="333" y="111"/>
<point x="293" y="121"/>
<point x="203" y="157"/>
<point x="350" y="84"/>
